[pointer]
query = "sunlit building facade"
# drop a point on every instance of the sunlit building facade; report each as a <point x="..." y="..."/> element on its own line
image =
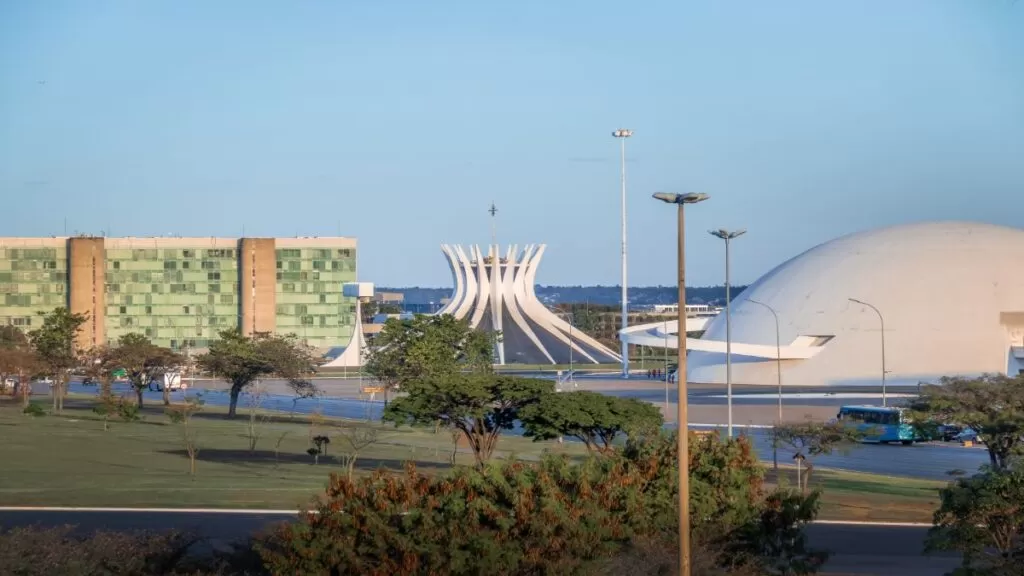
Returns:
<point x="181" y="292"/>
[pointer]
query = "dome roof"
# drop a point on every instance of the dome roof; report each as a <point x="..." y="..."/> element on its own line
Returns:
<point x="951" y="295"/>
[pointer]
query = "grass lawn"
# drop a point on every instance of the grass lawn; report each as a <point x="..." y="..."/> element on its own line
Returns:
<point x="70" y="460"/>
<point x="869" y="497"/>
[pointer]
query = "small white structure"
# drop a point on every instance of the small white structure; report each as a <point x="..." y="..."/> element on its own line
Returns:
<point x="353" y="354"/>
<point x="495" y="292"/>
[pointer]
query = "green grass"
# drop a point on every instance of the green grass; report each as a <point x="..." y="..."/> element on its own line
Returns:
<point x="70" y="460"/>
<point x="870" y="497"/>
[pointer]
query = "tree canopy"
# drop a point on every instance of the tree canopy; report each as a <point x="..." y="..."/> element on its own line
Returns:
<point x="55" y="349"/>
<point x="241" y="360"/>
<point x="407" y="350"/>
<point x="478" y="404"/>
<point x="142" y="360"/>
<point x="992" y="405"/>
<point x="594" y="419"/>
<point x="17" y="357"/>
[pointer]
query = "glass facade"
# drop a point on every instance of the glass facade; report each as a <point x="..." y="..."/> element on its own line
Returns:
<point x="309" y="296"/>
<point x="178" y="297"/>
<point x="33" y="280"/>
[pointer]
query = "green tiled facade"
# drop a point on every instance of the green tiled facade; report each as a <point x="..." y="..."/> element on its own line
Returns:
<point x="33" y="280"/>
<point x="178" y="297"/>
<point x="308" y="294"/>
<point x="181" y="292"/>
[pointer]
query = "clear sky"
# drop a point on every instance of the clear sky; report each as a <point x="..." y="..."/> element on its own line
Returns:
<point x="400" y="121"/>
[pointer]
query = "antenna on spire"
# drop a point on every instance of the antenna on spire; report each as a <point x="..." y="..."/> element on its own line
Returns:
<point x="494" y="232"/>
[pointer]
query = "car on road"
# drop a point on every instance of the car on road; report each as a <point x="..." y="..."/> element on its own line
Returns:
<point x="948" y="432"/>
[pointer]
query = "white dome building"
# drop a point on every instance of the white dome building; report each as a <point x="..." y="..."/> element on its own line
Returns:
<point x="951" y="295"/>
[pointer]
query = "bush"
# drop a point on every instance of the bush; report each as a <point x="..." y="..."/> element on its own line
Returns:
<point x="49" y="551"/>
<point x="551" y="517"/>
<point x="981" y="517"/>
<point x="34" y="409"/>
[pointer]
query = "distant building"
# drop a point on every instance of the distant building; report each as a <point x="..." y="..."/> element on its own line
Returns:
<point x="180" y="292"/>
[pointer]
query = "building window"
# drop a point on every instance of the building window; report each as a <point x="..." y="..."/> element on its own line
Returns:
<point x="184" y="309"/>
<point x="149" y="309"/>
<point x="122" y="310"/>
<point x="213" y="275"/>
<point x="170" y="265"/>
<point x="226" y="299"/>
<point x="188" y="253"/>
<point x="184" y="265"/>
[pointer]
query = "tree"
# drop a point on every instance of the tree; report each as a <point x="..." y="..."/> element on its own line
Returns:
<point x="17" y="359"/>
<point x="809" y="439"/>
<point x="142" y="360"/>
<point x="594" y="419"/>
<point x="240" y="360"/>
<point x="478" y="404"/>
<point x="992" y="405"/>
<point x="409" y="350"/>
<point x="981" y="517"/>
<point x="182" y="414"/>
<point x="55" y="348"/>
<point x="356" y="439"/>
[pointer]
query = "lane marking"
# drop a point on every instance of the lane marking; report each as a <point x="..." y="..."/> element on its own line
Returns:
<point x="239" y="511"/>
<point x="254" y="512"/>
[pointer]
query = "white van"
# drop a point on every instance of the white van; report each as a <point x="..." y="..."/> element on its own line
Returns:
<point x="169" y="380"/>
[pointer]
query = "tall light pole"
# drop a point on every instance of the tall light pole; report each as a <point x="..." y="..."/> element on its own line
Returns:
<point x="728" y="237"/>
<point x="622" y="134"/>
<point x="681" y="200"/>
<point x="778" y="374"/>
<point x="881" y="321"/>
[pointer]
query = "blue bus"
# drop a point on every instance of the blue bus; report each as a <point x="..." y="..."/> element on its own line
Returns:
<point x="878" y="424"/>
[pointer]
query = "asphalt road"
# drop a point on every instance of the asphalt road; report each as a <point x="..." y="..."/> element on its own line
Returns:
<point x="876" y="550"/>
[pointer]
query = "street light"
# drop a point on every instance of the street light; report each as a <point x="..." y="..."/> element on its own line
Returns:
<point x="882" y="322"/>
<point x="622" y="134"/>
<point x="681" y="200"/>
<point x="728" y="236"/>
<point x="778" y="373"/>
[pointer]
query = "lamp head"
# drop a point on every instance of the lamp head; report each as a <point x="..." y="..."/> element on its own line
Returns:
<point x="727" y="235"/>
<point x="688" y="198"/>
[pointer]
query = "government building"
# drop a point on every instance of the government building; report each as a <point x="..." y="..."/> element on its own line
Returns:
<point x="180" y="292"/>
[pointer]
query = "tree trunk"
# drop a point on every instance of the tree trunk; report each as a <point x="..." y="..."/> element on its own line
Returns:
<point x="167" y="394"/>
<point x="233" y="405"/>
<point x="138" y="394"/>
<point x="26" y="389"/>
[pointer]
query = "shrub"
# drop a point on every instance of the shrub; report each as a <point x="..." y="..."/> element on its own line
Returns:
<point x="48" y="551"/>
<point x="550" y="517"/>
<point x="981" y="517"/>
<point x="34" y="409"/>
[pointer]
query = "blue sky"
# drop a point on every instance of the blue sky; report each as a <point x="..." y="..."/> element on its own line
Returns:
<point x="400" y="122"/>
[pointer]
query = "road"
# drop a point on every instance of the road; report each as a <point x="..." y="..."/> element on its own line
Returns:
<point x="861" y="549"/>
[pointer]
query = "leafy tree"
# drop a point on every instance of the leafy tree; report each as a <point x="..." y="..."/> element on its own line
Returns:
<point x="594" y="419"/>
<point x="480" y="405"/>
<point x="809" y="439"/>
<point x="992" y="405"/>
<point x="241" y="360"/>
<point x="56" y="351"/>
<point x="425" y="346"/>
<point x="142" y="360"/>
<point x="981" y="517"/>
<point x="17" y="359"/>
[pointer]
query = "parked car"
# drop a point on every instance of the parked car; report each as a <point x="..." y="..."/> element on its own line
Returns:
<point x="967" y="435"/>
<point x="949" y="432"/>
